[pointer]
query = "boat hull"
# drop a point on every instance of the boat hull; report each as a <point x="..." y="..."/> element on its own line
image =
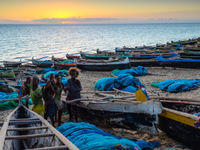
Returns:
<point x="136" y="116"/>
<point x="180" y="126"/>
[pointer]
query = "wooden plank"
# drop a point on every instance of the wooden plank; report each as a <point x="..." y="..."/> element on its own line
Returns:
<point x="60" y="136"/>
<point x="24" y="119"/>
<point x="24" y="122"/>
<point x="175" y="99"/>
<point x="28" y="136"/>
<point x="51" y="148"/>
<point x="181" y="117"/>
<point x="4" y="128"/>
<point x="27" y="128"/>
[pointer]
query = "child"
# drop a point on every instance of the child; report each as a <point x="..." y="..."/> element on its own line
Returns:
<point x="50" y="106"/>
<point x="57" y="97"/>
<point x="36" y="95"/>
<point x="74" y="88"/>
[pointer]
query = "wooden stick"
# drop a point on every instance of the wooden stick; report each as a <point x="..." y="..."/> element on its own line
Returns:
<point x="175" y="99"/>
<point x="63" y="147"/>
<point x="21" y="137"/>
<point x="24" y="119"/>
<point x="28" y="128"/>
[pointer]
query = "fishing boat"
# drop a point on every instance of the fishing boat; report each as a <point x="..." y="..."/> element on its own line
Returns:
<point x="119" y="112"/>
<point x="135" y="55"/>
<point x="64" y="64"/>
<point x="178" y="63"/>
<point x="72" y="56"/>
<point x="103" y="65"/>
<point x="12" y="63"/>
<point x="178" y="120"/>
<point x="144" y="62"/>
<point x="193" y="55"/>
<point x="42" y="63"/>
<point x="25" y="129"/>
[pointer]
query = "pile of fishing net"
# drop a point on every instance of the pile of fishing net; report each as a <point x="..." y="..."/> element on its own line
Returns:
<point x="88" y="136"/>
<point x="177" y="85"/>
<point x="137" y="71"/>
<point x="62" y="73"/>
<point x="11" y="104"/>
<point x="124" y="82"/>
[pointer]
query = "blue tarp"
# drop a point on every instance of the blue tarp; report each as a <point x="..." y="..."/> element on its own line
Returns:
<point x="62" y="73"/>
<point x="137" y="71"/>
<point x="179" y="85"/>
<point x="87" y="136"/>
<point x="46" y="70"/>
<point x="124" y="82"/>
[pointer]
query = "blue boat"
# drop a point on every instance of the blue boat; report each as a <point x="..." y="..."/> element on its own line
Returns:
<point x="178" y="63"/>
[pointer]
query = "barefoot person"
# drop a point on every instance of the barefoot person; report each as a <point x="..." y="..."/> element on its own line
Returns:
<point x="36" y="95"/>
<point x="57" y="97"/>
<point x="50" y="106"/>
<point x="73" y="87"/>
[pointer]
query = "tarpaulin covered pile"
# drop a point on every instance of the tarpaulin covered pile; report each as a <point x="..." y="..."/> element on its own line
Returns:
<point x="88" y="137"/>
<point x="177" y="85"/>
<point x="137" y="71"/>
<point x="125" y="82"/>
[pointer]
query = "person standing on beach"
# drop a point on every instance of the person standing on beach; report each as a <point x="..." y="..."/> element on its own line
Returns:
<point x="36" y="95"/>
<point x="50" y="106"/>
<point x="57" y="97"/>
<point x="25" y="90"/>
<point x="73" y="87"/>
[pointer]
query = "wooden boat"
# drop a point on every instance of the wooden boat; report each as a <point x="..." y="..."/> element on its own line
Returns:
<point x="42" y="63"/>
<point x="178" y="63"/>
<point x="177" y="120"/>
<point x="118" y="112"/>
<point x="72" y="56"/>
<point x="103" y="66"/>
<point x="190" y="55"/>
<point x="146" y="55"/>
<point x="12" y="63"/>
<point x="192" y="49"/>
<point x="60" y="66"/>
<point x="144" y="62"/>
<point x="24" y="129"/>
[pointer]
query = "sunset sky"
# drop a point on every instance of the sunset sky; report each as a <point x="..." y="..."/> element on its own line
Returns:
<point x="99" y="11"/>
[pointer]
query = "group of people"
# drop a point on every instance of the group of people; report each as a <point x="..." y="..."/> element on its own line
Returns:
<point x="47" y="100"/>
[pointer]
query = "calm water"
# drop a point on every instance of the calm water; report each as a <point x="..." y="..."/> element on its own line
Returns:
<point x="24" y="41"/>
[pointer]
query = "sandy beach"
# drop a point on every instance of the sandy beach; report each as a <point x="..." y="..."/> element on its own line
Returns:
<point x="88" y="79"/>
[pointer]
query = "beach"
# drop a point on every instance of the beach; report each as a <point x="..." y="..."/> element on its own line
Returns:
<point x="156" y="74"/>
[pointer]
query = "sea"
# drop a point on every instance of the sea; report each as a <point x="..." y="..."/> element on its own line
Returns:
<point x="22" y="42"/>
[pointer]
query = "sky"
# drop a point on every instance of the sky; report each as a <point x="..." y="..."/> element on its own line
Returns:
<point x="98" y="11"/>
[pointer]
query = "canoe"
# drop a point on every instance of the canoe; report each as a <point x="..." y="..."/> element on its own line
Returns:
<point x="103" y="66"/>
<point x="12" y="63"/>
<point x="118" y="113"/>
<point x="42" y="63"/>
<point x="178" y="63"/>
<point x="177" y="120"/>
<point x="144" y="62"/>
<point x="130" y="56"/>
<point x="190" y="55"/>
<point x="61" y="66"/>
<point x="194" y="49"/>
<point x="72" y="56"/>
<point x="25" y="129"/>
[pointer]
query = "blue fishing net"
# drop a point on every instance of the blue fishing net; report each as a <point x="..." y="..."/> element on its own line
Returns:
<point x="137" y="71"/>
<point x="45" y="70"/>
<point x="4" y="96"/>
<point x="179" y="85"/>
<point x="62" y="73"/>
<point x="87" y="136"/>
<point x="124" y="82"/>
